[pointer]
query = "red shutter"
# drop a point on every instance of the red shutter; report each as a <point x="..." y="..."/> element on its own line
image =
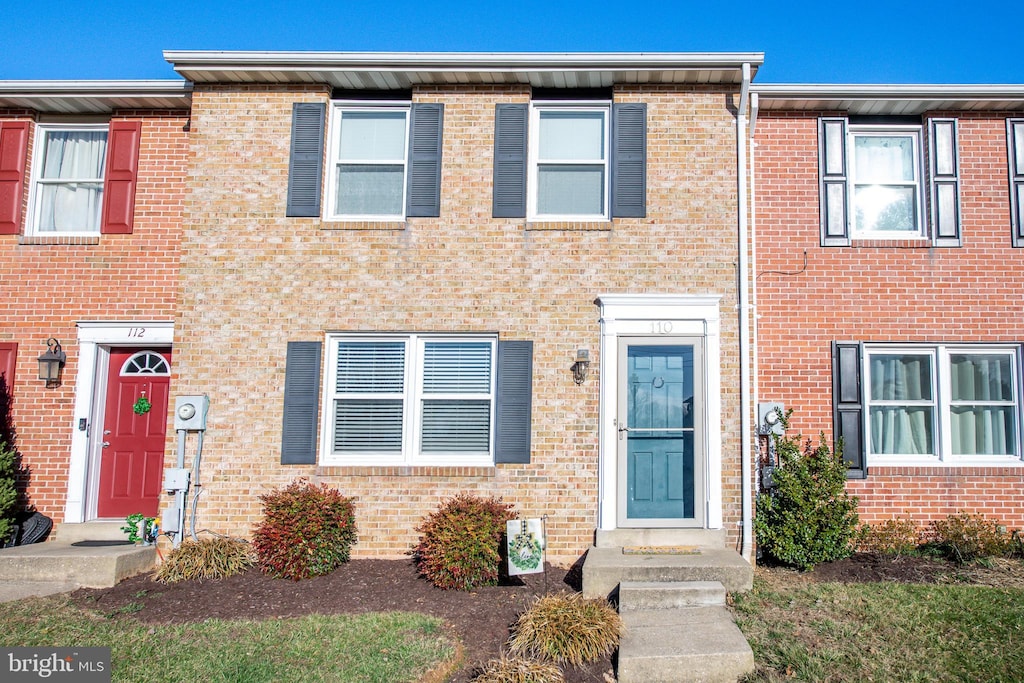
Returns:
<point x="122" y="173"/>
<point x="8" y="358"/>
<point x="13" y="155"/>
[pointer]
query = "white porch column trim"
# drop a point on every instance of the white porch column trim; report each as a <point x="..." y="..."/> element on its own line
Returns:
<point x="660" y="315"/>
<point x="92" y="336"/>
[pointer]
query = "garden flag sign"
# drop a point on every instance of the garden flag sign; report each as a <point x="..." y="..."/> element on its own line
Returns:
<point x="526" y="543"/>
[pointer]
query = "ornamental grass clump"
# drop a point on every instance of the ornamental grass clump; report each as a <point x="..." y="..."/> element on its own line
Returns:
<point x="807" y="517"/>
<point x="568" y="629"/>
<point x="519" y="670"/>
<point x="307" y="530"/>
<point x="459" y="546"/>
<point x="207" y="558"/>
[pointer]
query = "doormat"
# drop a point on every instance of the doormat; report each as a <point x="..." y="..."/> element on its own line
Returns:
<point x="661" y="550"/>
<point x="99" y="544"/>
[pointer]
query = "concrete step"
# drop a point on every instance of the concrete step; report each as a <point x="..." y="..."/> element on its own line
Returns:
<point x="605" y="568"/>
<point x="90" y="531"/>
<point x="639" y="538"/>
<point x="84" y="565"/>
<point x="682" y="645"/>
<point x="667" y="595"/>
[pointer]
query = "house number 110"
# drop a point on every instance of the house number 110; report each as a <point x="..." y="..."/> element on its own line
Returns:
<point x="661" y="327"/>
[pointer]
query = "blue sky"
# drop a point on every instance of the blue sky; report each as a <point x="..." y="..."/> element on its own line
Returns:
<point x="810" y="42"/>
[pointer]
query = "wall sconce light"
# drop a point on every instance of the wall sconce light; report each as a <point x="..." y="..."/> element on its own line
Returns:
<point x="580" y="367"/>
<point x="51" y="363"/>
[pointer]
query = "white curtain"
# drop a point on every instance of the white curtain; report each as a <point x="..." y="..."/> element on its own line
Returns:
<point x="981" y="429"/>
<point x="902" y="429"/>
<point x="71" y="183"/>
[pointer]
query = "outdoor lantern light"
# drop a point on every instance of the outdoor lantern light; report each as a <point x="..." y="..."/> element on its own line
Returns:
<point x="51" y="362"/>
<point x="580" y="367"/>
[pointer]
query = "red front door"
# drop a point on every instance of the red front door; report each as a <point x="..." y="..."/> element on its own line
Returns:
<point x="132" y="456"/>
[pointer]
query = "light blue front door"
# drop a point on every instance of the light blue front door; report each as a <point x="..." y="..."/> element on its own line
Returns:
<point x="661" y="475"/>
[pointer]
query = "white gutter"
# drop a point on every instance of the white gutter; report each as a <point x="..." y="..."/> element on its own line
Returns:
<point x="744" y="320"/>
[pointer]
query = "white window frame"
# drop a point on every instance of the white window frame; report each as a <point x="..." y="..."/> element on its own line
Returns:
<point x="334" y="160"/>
<point x="915" y="133"/>
<point x="940" y="355"/>
<point x="536" y="108"/>
<point x="38" y="182"/>
<point x="412" y="398"/>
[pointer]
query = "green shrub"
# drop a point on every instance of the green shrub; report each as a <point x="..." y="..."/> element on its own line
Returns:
<point x="8" y="491"/>
<point x="207" y="558"/>
<point x="307" y="530"/>
<point x="459" y="546"/>
<point x="965" y="537"/>
<point x="807" y="517"/>
<point x="519" y="670"/>
<point x="891" y="537"/>
<point x="567" y="628"/>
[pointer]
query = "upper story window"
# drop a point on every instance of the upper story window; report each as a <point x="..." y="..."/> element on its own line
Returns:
<point x="368" y="152"/>
<point x="569" y="162"/>
<point x="875" y="181"/>
<point x="67" y="190"/>
<point x="885" y="173"/>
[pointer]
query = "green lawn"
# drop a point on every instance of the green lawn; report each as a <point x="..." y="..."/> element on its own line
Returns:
<point x="807" y="631"/>
<point x="385" y="648"/>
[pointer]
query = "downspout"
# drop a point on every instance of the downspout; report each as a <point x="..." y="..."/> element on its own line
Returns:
<point x="744" y="319"/>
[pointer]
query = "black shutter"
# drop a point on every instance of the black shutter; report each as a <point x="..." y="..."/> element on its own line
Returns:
<point x="510" y="124"/>
<point x="848" y="406"/>
<point x="832" y="171"/>
<point x="514" y="402"/>
<point x="424" y="176"/>
<point x="305" y="164"/>
<point x="944" y="182"/>
<point x="301" y="401"/>
<point x="629" y="160"/>
<point x="1015" y="148"/>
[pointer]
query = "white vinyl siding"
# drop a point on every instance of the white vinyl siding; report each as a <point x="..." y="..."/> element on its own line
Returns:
<point x="411" y="399"/>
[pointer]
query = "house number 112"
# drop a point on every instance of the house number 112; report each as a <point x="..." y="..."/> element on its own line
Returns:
<point x="136" y="332"/>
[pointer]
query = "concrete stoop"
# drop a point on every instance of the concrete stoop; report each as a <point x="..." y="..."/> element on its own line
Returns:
<point x="78" y="557"/>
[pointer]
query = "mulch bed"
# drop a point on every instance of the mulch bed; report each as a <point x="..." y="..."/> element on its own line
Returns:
<point x="481" y="619"/>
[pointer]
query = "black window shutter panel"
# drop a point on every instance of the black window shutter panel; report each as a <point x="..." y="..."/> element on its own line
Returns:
<point x="510" y="124"/>
<point x="424" y="175"/>
<point x="832" y="172"/>
<point x="514" y="402"/>
<point x="848" y="406"/>
<point x="301" y="401"/>
<point x="305" y="163"/>
<point x="1015" y="147"/>
<point x="944" y="182"/>
<point x="629" y="160"/>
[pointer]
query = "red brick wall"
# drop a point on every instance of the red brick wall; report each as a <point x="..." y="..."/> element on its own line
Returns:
<point x="47" y="284"/>
<point x="809" y="296"/>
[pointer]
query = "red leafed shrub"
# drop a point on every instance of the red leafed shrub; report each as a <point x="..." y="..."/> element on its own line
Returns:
<point x="459" y="543"/>
<point x="307" y="530"/>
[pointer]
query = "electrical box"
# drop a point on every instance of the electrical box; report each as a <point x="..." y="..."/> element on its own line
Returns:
<point x="170" y="520"/>
<point x="175" y="479"/>
<point x="190" y="413"/>
<point x="769" y="418"/>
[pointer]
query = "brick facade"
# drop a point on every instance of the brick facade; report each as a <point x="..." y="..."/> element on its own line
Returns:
<point x="253" y="280"/>
<point x="809" y="296"/>
<point x="49" y="284"/>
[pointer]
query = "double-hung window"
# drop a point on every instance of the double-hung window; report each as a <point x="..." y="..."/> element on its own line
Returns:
<point x="950" y="404"/>
<point x="410" y="399"/>
<point x="569" y="175"/>
<point x="67" y="194"/>
<point x="885" y="182"/>
<point x="368" y="156"/>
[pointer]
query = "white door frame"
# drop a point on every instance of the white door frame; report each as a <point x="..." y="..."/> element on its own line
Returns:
<point x="660" y="315"/>
<point x="94" y="340"/>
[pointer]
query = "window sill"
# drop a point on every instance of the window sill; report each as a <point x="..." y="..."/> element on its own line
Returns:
<point x="569" y="225"/>
<point x="75" y="240"/>
<point x="448" y="471"/>
<point x="362" y="225"/>
<point x="934" y="466"/>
